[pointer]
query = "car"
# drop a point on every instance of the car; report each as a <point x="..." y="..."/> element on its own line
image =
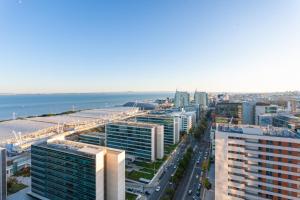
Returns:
<point x="157" y="189"/>
<point x="198" y="161"/>
<point x="147" y="193"/>
<point x="199" y="186"/>
<point x="197" y="176"/>
<point x="190" y="192"/>
<point x="174" y="166"/>
<point x="198" y="193"/>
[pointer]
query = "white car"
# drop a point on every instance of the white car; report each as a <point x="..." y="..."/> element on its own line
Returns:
<point x="157" y="189"/>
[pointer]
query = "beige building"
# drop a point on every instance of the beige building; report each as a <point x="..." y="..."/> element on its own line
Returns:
<point x="64" y="169"/>
<point x="253" y="162"/>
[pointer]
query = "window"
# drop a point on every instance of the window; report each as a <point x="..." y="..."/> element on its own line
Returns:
<point x="269" y="173"/>
<point x="269" y="142"/>
<point x="279" y="191"/>
<point x="279" y="182"/>
<point x="279" y="167"/>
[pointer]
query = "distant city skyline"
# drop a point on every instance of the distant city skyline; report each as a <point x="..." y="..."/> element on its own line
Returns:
<point x="146" y="46"/>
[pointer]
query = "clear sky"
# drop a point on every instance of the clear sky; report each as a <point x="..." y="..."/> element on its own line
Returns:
<point x="149" y="45"/>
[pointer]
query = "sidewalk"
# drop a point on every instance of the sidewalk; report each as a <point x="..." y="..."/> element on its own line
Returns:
<point x="210" y="194"/>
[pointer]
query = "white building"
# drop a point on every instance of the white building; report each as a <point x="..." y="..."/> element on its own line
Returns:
<point x="181" y="99"/>
<point x="253" y="163"/>
<point x="187" y="120"/>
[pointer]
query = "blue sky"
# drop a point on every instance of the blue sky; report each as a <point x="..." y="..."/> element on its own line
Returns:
<point x="134" y="45"/>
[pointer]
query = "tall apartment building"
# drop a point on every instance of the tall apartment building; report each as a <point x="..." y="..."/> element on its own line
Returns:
<point x="226" y="112"/>
<point x="181" y="99"/>
<point x="201" y="98"/>
<point x="253" y="163"/>
<point x="3" y="186"/>
<point x="171" y="126"/>
<point x="62" y="169"/>
<point x="144" y="141"/>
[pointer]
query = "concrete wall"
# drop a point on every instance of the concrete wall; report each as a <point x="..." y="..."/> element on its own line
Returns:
<point x="221" y="166"/>
<point x="159" y="142"/>
<point x="115" y="175"/>
<point x="99" y="160"/>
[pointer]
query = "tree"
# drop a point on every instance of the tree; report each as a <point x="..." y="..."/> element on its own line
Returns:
<point x="207" y="184"/>
<point x="170" y="192"/>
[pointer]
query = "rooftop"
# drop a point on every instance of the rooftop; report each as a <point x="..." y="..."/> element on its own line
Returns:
<point x="138" y="124"/>
<point x="93" y="134"/>
<point x="166" y="116"/>
<point x="77" y="147"/>
<point x="258" y="130"/>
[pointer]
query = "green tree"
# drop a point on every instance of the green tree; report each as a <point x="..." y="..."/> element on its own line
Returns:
<point x="207" y="184"/>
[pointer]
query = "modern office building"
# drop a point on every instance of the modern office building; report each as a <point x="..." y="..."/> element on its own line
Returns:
<point x="264" y="108"/>
<point x="248" y="112"/>
<point x="171" y="126"/>
<point x="95" y="138"/>
<point x="62" y="169"/>
<point x="253" y="163"/>
<point x="3" y="180"/>
<point x="181" y="99"/>
<point x="229" y="112"/>
<point x="265" y="119"/>
<point x="201" y="98"/>
<point x="144" y="141"/>
<point x="286" y="120"/>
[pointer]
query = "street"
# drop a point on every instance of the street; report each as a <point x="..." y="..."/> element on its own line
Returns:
<point x="168" y="171"/>
<point x="189" y="186"/>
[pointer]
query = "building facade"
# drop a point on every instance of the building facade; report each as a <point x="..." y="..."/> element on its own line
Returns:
<point x="171" y="126"/>
<point x="264" y="108"/>
<point x="62" y="169"/>
<point x="253" y="163"/>
<point x="95" y="138"/>
<point x="3" y="177"/>
<point x="144" y="141"/>
<point x="201" y="98"/>
<point x="229" y="112"/>
<point x="181" y="99"/>
<point x="248" y="112"/>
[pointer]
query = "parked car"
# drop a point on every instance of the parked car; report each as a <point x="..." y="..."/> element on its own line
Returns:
<point x="190" y="192"/>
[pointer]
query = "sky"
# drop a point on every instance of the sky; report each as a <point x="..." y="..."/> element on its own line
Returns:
<point x="150" y="45"/>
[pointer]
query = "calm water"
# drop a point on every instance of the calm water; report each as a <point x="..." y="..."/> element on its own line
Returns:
<point x="31" y="105"/>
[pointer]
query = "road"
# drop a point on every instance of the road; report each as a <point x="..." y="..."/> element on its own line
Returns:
<point x="168" y="171"/>
<point x="197" y="175"/>
<point x="192" y="177"/>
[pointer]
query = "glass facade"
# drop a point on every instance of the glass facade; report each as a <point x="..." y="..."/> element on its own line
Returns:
<point x="135" y="140"/>
<point x="60" y="174"/>
<point x="166" y="121"/>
